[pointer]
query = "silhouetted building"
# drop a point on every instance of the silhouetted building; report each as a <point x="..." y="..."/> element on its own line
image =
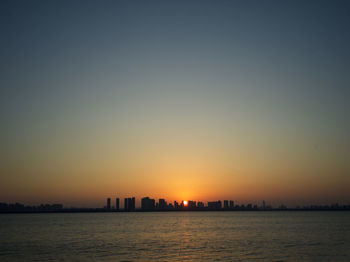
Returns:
<point x="129" y="204"/>
<point x="147" y="204"/>
<point x="162" y="204"/>
<point x="215" y="205"/>
<point x="46" y="207"/>
<point x="191" y="204"/>
<point x="133" y="204"/>
<point x="176" y="205"/>
<point x="283" y="207"/>
<point x="125" y="204"/>
<point x="108" y="204"/>
<point x="232" y="204"/>
<point x="57" y="207"/>
<point x="17" y="207"/>
<point x="226" y="204"/>
<point x="200" y="204"/>
<point x="117" y="204"/>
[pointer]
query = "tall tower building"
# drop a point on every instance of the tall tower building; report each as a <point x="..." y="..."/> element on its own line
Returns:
<point x="162" y="203"/>
<point x="226" y="204"/>
<point x="147" y="204"/>
<point x="108" y="204"/>
<point x="231" y="204"/>
<point x="126" y="207"/>
<point x="117" y="204"/>
<point x="133" y="204"/>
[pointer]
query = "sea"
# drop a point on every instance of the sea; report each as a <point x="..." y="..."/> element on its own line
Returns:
<point x="176" y="236"/>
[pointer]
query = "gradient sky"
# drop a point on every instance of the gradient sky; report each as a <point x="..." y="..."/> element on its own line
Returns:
<point x="204" y="100"/>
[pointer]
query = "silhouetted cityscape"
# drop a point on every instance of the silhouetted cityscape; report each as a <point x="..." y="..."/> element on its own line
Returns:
<point x="151" y="205"/>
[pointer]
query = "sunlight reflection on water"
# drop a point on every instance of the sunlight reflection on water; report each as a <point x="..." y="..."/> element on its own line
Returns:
<point x="176" y="236"/>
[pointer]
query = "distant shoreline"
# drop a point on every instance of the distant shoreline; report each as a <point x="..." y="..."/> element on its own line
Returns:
<point x="92" y="210"/>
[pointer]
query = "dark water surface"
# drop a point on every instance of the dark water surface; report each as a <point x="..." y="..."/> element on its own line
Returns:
<point x="176" y="236"/>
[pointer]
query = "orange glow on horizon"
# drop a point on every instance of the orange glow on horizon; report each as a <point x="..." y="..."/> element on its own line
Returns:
<point x="185" y="203"/>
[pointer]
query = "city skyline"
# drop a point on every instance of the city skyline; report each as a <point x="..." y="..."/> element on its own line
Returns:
<point x="173" y="130"/>
<point x="148" y="204"/>
<point x="245" y="100"/>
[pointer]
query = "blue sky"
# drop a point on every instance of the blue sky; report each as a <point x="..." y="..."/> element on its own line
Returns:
<point x="125" y="83"/>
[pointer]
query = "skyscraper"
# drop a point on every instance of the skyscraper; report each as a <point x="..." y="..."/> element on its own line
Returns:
<point x="147" y="204"/>
<point x="231" y="204"/>
<point x="108" y="204"/>
<point x="117" y="204"/>
<point x="226" y="204"/>
<point x="192" y="204"/>
<point x="125" y="204"/>
<point x="133" y="204"/>
<point x="129" y="204"/>
<point x="162" y="204"/>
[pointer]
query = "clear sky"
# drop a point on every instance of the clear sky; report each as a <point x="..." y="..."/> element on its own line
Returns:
<point x="203" y="100"/>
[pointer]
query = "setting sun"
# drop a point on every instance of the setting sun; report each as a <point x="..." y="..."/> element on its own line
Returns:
<point x="185" y="203"/>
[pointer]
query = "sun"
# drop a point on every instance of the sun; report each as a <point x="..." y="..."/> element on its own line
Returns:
<point x="185" y="203"/>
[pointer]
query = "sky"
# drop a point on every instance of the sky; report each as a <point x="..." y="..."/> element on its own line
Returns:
<point x="182" y="100"/>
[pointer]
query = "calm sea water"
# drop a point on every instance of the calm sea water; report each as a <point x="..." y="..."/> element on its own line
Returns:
<point x="176" y="236"/>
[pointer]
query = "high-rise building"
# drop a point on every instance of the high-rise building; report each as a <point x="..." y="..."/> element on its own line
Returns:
<point x="162" y="204"/>
<point x="200" y="204"/>
<point x="129" y="204"/>
<point x="215" y="205"/>
<point x="231" y="204"/>
<point x="108" y="204"/>
<point x="147" y="204"/>
<point x="226" y="204"/>
<point x="126" y="204"/>
<point x="133" y="204"/>
<point x="192" y="204"/>
<point x="117" y="204"/>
